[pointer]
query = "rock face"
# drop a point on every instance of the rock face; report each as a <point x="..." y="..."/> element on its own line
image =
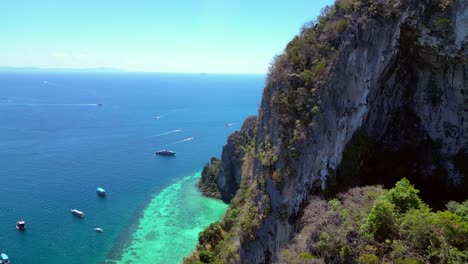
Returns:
<point x="208" y="183"/>
<point x="372" y="92"/>
<point x="402" y="81"/>
<point x="230" y="171"/>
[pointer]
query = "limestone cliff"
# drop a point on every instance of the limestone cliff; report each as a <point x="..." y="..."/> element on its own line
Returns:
<point x="230" y="171"/>
<point x="402" y="79"/>
<point x="370" y="92"/>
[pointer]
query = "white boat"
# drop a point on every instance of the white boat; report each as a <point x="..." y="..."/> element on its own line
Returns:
<point x="166" y="152"/>
<point x="77" y="213"/>
<point x="20" y="225"/>
<point x="98" y="229"/>
<point x="4" y="259"/>
<point x="101" y="192"/>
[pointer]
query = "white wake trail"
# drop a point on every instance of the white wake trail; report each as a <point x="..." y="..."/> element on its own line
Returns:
<point x="183" y="140"/>
<point x="180" y="141"/>
<point x="167" y="133"/>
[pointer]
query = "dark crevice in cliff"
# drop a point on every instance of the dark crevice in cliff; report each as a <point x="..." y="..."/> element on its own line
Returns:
<point x="368" y="162"/>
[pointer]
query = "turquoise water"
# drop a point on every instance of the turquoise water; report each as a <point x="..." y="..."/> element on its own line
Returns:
<point x="169" y="228"/>
<point x="57" y="146"/>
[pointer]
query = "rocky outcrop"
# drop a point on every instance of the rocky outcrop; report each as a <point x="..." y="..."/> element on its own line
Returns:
<point x="208" y="183"/>
<point x="402" y="80"/>
<point x="230" y="171"/>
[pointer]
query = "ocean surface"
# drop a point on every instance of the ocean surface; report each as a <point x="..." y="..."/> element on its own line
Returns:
<point x="57" y="145"/>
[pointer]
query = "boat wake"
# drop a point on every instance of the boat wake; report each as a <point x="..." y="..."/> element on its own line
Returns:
<point x="180" y="141"/>
<point x="183" y="140"/>
<point x="167" y="133"/>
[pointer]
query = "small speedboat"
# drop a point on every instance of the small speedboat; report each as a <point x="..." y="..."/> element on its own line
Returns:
<point x="228" y="125"/>
<point x="166" y="152"/>
<point x="101" y="192"/>
<point x="77" y="213"/>
<point x="4" y="259"/>
<point x="20" y="225"/>
<point x="98" y="229"/>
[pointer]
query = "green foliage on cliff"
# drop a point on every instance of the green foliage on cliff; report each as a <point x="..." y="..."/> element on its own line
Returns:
<point x="211" y="235"/>
<point x="372" y="225"/>
<point x="220" y="242"/>
<point x="404" y="196"/>
<point x="443" y="21"/>
<point x="208" y="183"/>
<point x="299" y="76"/>
<point x="459" y="209"/>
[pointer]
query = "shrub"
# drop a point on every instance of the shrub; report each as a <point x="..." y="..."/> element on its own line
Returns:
<point x="404" y="196"/>
<point x="250" y="223"/>
<point x="266" y="156"/>
<point x="443" y="21"/>
<point x="407" y="261"/>
<point x="368" y="259"/>
<point x="329" y="246"/>
<point x="459" y="209"/>
<point x="341" y="25"/>
<point x="345" y="252"/>
<point x="205" y="256"/>
<point x="346" y="5"/>
<point x="444" y="4"/>
<point x="441" y="236"/>
<point x="453" y="228"/>
<point x="307" y="255"/>
<point x="212" y="235"/>
<point x="380" y="223"/>
<point x="276" y="177"/>
<point x="230" y="220"/>
<point x="417" y="227"/>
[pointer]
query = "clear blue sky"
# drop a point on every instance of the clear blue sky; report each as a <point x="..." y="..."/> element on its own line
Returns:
<point x="214" y="36"/>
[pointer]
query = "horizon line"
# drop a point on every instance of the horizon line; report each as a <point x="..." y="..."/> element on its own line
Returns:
<point x="113" y="70"/>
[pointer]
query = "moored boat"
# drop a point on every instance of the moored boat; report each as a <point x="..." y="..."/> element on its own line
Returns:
<point x="77" y="213"/>
<point x="4" y="259"/>
<point x="166" y="152"/>
<point x="20" y="225"/>
<point x="101" y="192"/>
<point x="98" y="229"/>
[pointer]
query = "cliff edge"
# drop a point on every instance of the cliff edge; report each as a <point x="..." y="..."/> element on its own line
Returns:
<point x="369" y="93"/>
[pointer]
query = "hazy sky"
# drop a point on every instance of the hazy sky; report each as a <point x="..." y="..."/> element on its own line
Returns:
<point x="214" y="36"/>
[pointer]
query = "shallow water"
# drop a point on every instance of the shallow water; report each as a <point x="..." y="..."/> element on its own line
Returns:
<point x="169" y="228"/>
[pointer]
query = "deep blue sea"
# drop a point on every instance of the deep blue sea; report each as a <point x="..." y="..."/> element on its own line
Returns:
<point x="57" y="145"/>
